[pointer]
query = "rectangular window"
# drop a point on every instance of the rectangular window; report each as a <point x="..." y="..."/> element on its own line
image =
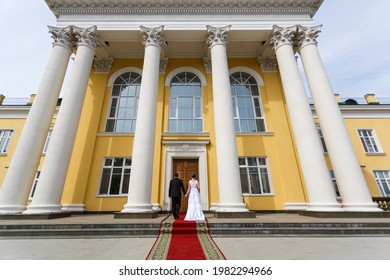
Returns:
<point x="47" y="140"/>
<point x="382" y="178"/>
<point x="336" y="188"/>
<point x="321" y="138"/>
<point x="254" y="174"/>
<point x="5" y="139"/>
<point x="369" y="141"/>
<point x="115" y="177"/>
<point x="35" y="183"/>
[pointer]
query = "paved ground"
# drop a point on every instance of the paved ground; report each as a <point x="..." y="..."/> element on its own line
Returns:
<point x="265" y="248"/>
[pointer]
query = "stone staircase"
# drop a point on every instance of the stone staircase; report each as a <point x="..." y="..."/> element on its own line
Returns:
<point x="217" y="230"/>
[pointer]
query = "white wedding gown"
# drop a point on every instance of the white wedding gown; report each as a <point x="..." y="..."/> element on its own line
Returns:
<point x="194" y="210"/>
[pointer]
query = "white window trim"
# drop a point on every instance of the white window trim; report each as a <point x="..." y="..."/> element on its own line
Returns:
<point x="48" y="138"/>
<point x="4" y="149"/>
<point x="271" y="193"/>
<point x="98" y="195"/>
<point x="179" y="70"/>
<point x="375" y="138"/>
<point x="380" y="186"/>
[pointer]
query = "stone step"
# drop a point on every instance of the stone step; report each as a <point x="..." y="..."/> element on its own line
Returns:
<point x="216" y="230"/>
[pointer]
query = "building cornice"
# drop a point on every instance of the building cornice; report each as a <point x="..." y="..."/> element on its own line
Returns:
<point x="362" y="111"/>
<point x="183" y="7"/>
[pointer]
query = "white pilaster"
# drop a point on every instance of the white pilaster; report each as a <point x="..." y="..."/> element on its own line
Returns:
<point x="140" y="188"/>
<point x="230" y="193"/>
<point x="47" y="197"/>
<point x="350" y="179"/>
<point x="21" y="173"/>
<point x="315" y="172"/>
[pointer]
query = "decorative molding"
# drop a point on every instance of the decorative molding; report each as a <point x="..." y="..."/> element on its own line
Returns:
<point x="163" y="64"/>
<point x="153" y="36"/>
<point x="103" y="65"/>
<point x="253" y="73"/>
<point x="267" y="64"/>
<point x="62" y="36"/>
<point x="283" y="36"/>
<point x="187" y="7"/>
<point x="307" y="35"/>
<point x="217" y="35"/>
<point x="121" y="71"/>
<point x="87" y="36"/>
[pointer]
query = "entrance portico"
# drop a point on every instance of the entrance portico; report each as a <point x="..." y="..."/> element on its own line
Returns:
<point x="164" y="40"/>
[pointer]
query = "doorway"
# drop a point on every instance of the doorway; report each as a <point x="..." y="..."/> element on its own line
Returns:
<point x="185" y="168"/>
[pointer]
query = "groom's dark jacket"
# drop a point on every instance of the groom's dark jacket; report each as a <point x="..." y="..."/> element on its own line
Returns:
<point x="176" y="187"/>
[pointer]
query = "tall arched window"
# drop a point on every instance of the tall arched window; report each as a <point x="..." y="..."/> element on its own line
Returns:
<point x="185" y="104"/>
<point x="122" y="116"/>
<point x="247" y="109"/>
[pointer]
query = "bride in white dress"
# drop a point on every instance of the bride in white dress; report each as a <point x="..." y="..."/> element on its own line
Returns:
<point x="194" y="211"/>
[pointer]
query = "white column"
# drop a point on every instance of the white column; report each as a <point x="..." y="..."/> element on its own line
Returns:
<point x="140" y="187"/>
<point x="230" y="193"/>
<point x="350" y="179"/>
<point x="20" y="176"/>
<point x="316" y="175"/>
<point x="47" y="197"/>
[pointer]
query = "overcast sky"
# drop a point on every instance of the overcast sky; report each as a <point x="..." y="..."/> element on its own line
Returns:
<point x="354" y="45"/>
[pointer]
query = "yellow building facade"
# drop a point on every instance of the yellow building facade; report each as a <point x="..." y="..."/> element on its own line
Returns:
<point x="131" y="116"/>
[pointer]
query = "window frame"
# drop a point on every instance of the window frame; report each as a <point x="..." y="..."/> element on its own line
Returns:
<point x="175" y="118"/>
<point x="259" y="167"/>
<point x="34" y="185"/>
<point x="7" y="140"/>
<point x="335" y="186"/>
<point x="236" y="107"/>
<point x="114" y="119"/>
<point x="373" y="141"/>
<point x="379" y="184"/>
<point x="111" y="167"/>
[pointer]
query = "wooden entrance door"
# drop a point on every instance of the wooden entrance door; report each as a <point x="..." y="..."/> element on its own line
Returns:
<point x="185" y="168"/>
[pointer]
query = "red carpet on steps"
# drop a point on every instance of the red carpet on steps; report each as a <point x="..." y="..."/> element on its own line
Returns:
<point x="184" y="240"/>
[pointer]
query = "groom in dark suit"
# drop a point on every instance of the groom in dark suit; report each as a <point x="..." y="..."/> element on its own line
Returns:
<point x="175" y="188"/>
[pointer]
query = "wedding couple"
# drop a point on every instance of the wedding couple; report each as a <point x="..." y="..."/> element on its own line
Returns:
<point x="176" y="187"/>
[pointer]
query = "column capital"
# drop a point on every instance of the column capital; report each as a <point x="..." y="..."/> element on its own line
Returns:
<point x="103" y="65"/>
<point x="87" y="36"/>
<point x="153" y="36"/>
<point x="283" y="36"/>
<point x="217" y="35"/>
<point x="62" y="36"/>
<point x="267" y="64"/>
<point x="307" y="35"/>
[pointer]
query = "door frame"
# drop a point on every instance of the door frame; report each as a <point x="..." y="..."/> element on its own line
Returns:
<point x="186" y="150"/>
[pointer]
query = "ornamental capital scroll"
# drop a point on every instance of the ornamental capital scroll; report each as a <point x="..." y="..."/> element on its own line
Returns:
<point x="307" y="35"/>
<point x="153" y="36"/>
<point x="62" y="36"/>
<point x="283" y="36"/>
<point x="87" y="36"/>
<point x="217" y="35"/>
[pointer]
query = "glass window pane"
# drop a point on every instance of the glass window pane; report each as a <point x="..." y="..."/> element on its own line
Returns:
<point x="172" y="125"/>
<point x="254" y="180"/>
<point x="252" y="161"/>
<point x="105" y="181"/>
<point x="242" y="161"/>
<point x="115" y="183"/>
<point x="197" y="91"/>
<point x="260" y="125"/>
<point x="116" y="90"/>
<point x="261" y="161"/>
<point x="110" y="125"/>
<point x="265" y="180"/>
<point x="128" y="162"/>
<point x="255" y="90"/>
<point x="108" y="162"/>
<point x="126" y="180"/>
<point x="118" y="162"/>
<point x="198" y="126"/>
<point x="244" y="180"/>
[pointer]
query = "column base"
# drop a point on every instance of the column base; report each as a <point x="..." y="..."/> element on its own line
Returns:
<point x="232" y="207"/>
<point x="74" y="208"/>
<point x="156" y="207"/>
<point x="43" y="209"/>
<point x="295" y="206"/>
<point x="361" y="207"/>
<point x="12" y="209"/>
<point x="138" y="208"/>
<point x="318" y="207"/>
